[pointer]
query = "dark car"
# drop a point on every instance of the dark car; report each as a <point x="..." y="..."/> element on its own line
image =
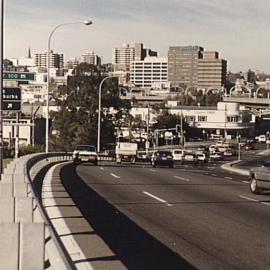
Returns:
<point x="162" y="158"/>
<point x="249" y="146"/>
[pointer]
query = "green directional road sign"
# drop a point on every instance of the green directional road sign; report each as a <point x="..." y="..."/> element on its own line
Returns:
<point x="11" y="99"/>
<point x="18" y="76"/>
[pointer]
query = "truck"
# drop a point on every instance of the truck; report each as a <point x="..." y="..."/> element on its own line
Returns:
<point x="126" y="152"/>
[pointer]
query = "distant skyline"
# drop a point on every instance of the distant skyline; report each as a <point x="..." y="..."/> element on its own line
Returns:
<point x="238" y="30"/>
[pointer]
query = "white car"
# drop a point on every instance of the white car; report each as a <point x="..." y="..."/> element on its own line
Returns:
<point x="85" y="153"/>
<point x="202" y="157"/>
<point x="215" y="156"/>
<point x="261" y="138"/>
<point x="178" y="154"/>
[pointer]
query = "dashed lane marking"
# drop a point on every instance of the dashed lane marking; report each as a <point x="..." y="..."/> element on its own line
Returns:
<point x="227" y="177"/>
<point x="246" y="182"/>
<point x="101" y="168"/>
<point x="181" y="178"/>
<point x="156" y="198"/>
<point x="114" y="175"/>
<point x="248" y="198"/>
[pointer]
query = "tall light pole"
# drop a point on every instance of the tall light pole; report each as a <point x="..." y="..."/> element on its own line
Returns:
<point x="99" y="109"/>
<point x="1" y="84"/>
<point x="48" y="76"/>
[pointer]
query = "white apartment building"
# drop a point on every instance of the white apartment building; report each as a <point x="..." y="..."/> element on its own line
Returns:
<point x="56" y="60"/>
<point x="90" y="58"/>
<point x="149" y="72"/>
<point x="225" y="119"/>
<point x="122" y="57"/>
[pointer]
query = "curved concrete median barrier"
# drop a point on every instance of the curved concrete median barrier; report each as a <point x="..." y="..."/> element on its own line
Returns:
<point x="229" y="167"/>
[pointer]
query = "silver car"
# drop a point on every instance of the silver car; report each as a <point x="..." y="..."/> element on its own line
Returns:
<point x="260" y="178"/>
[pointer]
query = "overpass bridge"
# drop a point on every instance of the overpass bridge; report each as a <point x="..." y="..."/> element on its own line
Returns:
<point x="258" y="106"/>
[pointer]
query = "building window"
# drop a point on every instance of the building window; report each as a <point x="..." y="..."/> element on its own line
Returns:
<point x="190" y="118"/>
<point x="202" y="118"/>
<point x="232" y="119"/>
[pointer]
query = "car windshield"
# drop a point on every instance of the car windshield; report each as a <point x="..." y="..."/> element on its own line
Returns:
<point x="89" y="148"/>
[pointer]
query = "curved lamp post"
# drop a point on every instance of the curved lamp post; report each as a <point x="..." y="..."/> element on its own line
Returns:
<point x="48" y="76"/>
<point x="99" y="109"/>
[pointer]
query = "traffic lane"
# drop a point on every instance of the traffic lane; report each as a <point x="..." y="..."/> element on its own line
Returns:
<point x="130" y="243"/>
<point x="226" y="217"/>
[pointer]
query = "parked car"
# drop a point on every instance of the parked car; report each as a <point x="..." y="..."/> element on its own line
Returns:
<point x="85" y="153"/>
<point x="190" y="158"/>
<point x="162" y="158"/>
<point x="260" y="178"/>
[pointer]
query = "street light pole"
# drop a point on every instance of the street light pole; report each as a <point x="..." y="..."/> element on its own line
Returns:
<point x="48" y="77"/>
<point x="99" y="109"/>
<point x="1" y="84"/>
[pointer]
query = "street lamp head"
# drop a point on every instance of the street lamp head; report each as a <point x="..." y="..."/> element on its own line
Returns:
<point x="87" y="22"/>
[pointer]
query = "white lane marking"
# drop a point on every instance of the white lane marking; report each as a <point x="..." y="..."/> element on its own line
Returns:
<point x="227" y="177"/>
<point x="214" y="175"/>
<point x="246" y="182"/>
<point x="114" y="175"/>
<point x="181" y="178"/>
<point x="265" y="203"/>
<point x="152" y="170"/>
<point x="248" y="198"/>
<point x="101" y="168"/>
<point x="156" y="198"/>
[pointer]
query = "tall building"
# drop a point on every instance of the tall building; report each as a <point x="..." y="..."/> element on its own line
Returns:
<point x="192" y="66"/>
<point x="122" y="57"/>
<point x="90" y="58"/>
<point x="183" y="65"/>
<point x="144" y="73"/>
<point x="211" y="70"/>
<point x="56" y="60"/>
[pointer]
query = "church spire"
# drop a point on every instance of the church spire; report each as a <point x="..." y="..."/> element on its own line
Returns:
<point x="29" y="52"/>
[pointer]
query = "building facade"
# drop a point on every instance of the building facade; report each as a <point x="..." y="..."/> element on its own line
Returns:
<point x="151" y="70"/>
<point x="191" y="66"/>
<point x="183" y="65"/>
<point x="56" y="60"/>
<point x="211" y="71"/>
<point x="90" y="58"/>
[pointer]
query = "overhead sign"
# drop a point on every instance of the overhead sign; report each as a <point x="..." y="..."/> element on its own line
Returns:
<point x="18" y="76"/>
<point x="11" y="99"/>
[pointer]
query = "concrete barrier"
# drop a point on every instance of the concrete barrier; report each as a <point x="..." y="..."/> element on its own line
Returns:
<point x="23" y="220"/>
<point x="229" y="167"/>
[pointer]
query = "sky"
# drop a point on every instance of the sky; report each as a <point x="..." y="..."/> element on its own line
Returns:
<point x="238" y="30"/>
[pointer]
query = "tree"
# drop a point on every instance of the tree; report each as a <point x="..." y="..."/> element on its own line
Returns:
<point x="76" y="121"/>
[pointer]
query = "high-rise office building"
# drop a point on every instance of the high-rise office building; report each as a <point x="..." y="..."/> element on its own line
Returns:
<point x="183" y="65"/>
<point x="90" y="58"/>
<point x="211" y="70"/>
<point x="192" y="66"/>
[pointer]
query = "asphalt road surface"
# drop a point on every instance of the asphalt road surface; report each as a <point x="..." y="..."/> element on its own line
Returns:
<point x="181" y="218"/>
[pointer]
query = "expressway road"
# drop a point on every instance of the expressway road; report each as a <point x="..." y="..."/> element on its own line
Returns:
<point x="181" y="218"/>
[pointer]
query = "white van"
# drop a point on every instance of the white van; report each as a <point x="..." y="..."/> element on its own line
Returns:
<point x="178" y="154"/>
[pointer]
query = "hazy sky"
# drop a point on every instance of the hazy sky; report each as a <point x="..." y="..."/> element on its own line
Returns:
<point x="238" y="30"/>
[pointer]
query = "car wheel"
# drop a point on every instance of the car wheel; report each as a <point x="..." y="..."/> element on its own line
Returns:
<point x="171" y="165"/>
<point x="254" y="186"/>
